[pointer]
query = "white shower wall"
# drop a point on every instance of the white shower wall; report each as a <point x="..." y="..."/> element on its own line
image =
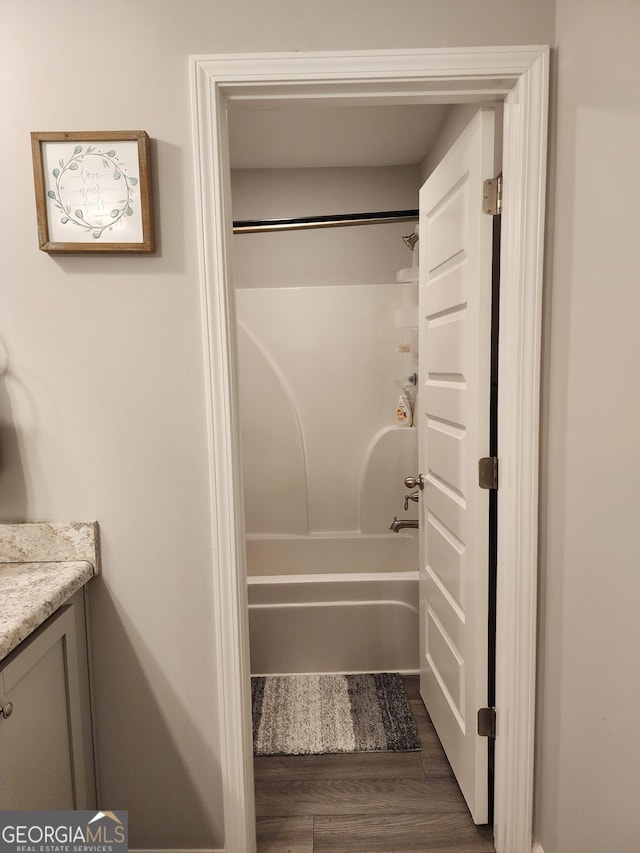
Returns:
<point x="321" y="320"/>
<point x="318" y="367"/>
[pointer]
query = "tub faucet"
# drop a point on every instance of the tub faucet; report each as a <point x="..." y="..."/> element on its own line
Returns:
<point x="400" y="523"/>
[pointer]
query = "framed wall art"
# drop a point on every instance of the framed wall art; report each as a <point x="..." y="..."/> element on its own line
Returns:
<point x="93" y="191"/>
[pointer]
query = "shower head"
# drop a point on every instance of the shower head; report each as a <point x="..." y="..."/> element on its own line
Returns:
<point x="410" y="240"/>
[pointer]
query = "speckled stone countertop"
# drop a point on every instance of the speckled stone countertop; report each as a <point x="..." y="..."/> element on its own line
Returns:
<point x="41" y="567"/>
<point x="31" y="592"/>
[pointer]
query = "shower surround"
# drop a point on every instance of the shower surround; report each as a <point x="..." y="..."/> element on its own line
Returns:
<point x="330" y="588"/>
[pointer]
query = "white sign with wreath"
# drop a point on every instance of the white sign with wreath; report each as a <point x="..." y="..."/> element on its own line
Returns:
<point x="92" y="192"/>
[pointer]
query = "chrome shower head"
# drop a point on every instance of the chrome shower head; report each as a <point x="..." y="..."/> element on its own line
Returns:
<point x="410" y="240"/>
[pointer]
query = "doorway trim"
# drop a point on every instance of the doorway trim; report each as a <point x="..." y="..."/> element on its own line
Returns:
<point x="519" y="78"/>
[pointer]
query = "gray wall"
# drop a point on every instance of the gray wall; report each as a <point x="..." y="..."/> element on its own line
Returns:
<point x="589" y="741"/>
<point x="366" y="254"/>
<point x="101" y="391"/>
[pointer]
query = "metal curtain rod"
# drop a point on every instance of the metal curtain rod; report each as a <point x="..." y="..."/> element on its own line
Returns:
<point x="250" y="226"/>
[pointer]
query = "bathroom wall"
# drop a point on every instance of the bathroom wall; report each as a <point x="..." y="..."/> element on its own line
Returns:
<point x="362" y="254"/>
<point x="588" y="737"/>
<point x="102" y="401"/>
<point x="321" y="320"/>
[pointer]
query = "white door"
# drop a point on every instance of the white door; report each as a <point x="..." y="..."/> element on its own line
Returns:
<point x="453" y="402"/>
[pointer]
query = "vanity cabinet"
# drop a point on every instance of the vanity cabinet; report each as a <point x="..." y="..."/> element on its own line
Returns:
<point x="45" y="718"/>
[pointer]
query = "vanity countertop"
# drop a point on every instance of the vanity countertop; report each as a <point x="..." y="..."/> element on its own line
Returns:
<point x="31" y="592"/>
<point x="42" y="565"/>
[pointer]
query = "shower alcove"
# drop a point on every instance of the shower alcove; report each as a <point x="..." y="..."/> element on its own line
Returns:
<point x="326" y="333"/>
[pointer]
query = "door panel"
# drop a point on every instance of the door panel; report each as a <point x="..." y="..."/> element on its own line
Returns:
<point x="447" y="331"/>
<point x="446" y="449"/>
<point x="453" y="423"/>
<point x="446" y="663"/>
<point x="446" y="552"/>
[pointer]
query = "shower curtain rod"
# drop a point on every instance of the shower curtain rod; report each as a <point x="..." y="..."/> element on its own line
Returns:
<point x="250" y="226"/>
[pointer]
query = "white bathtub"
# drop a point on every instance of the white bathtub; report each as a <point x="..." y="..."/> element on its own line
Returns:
<point x="333" y="604"/>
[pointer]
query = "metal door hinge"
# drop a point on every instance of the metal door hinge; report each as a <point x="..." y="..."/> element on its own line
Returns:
<point x="488" y="472"/>
<point x="487" y="722"/>
<point x="492" y="196"/>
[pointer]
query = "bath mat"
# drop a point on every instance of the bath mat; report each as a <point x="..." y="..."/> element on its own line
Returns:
<point x="317" y="714"/>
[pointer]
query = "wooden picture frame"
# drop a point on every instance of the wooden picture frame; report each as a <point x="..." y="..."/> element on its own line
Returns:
<point x="93" y="191"/>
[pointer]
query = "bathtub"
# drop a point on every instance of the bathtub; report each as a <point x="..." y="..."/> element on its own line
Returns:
<point x="333" y="603"/>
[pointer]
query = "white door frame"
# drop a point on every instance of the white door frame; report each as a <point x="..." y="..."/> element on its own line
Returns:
<point x="518" y="76"/>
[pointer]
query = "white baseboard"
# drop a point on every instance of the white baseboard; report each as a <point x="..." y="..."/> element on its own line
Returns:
<point x="537" y="848"/>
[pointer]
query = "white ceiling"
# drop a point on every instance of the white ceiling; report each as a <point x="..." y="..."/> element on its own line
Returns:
<point x="312" y="136"/>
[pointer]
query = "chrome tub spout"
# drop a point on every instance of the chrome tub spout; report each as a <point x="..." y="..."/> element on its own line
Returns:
<point x="400" y="523"/>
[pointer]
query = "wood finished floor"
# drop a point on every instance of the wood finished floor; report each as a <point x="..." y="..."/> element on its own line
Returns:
<point x="366" y="803"/>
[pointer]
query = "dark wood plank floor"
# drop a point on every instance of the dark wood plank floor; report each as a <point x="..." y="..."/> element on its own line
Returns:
<point x="368" y="802"/>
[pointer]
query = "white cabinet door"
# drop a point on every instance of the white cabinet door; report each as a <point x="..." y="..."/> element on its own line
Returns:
<point x="453" y="400"/>
<point x="45" y="735"/>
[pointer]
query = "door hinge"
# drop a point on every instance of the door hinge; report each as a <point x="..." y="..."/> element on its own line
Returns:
<point x="492" y="196"/>
<point x="488" y="472"/>
<point x="487" y="722"/>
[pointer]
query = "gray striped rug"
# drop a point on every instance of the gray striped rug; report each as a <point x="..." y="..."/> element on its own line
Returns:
<point x="316" y="714"/>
